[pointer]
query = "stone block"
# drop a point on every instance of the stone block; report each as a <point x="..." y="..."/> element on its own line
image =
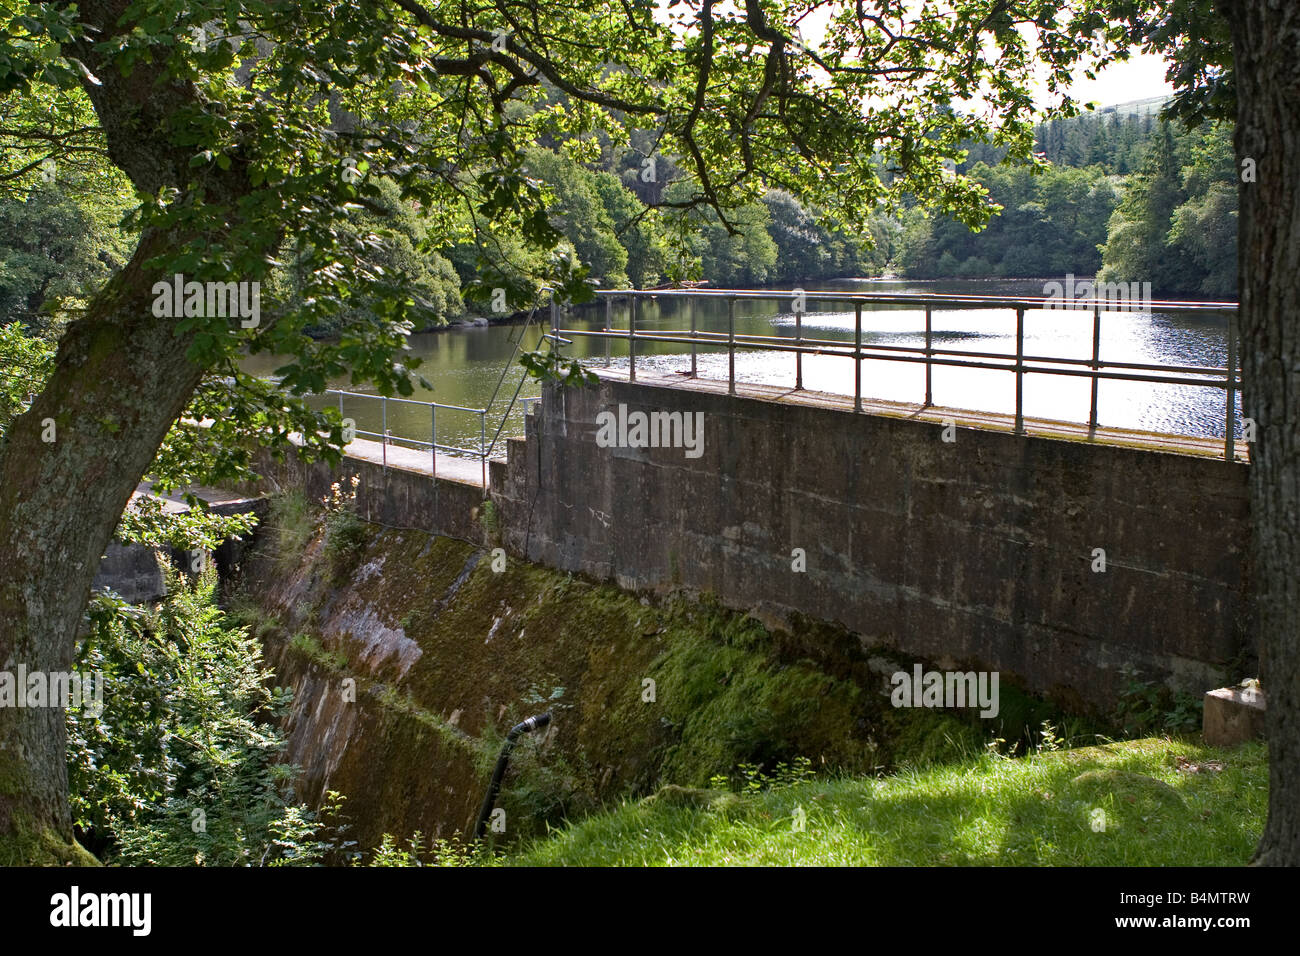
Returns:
<point x="1233" y="715"/>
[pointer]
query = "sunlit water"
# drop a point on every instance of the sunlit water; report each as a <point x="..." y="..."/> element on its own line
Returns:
<point x="465" y="366"/>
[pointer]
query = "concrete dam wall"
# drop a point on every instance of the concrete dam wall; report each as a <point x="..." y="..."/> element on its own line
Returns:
<point x="1060" y="564"/>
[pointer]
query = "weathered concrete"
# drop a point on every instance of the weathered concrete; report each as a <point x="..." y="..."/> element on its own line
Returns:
<point x="132" y="572"/>
<point x="978" y="552"/>
<point x="400" y="495"/>
<point x="1233" y="715"/>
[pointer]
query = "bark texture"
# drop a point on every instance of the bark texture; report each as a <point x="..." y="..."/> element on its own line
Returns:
<point x="1266" y="47"/>
<point x="121" y="379"/>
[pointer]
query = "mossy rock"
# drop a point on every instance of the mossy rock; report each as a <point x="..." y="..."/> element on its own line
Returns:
<point x="1129" y="799"/>
<point x="693" y="797"/>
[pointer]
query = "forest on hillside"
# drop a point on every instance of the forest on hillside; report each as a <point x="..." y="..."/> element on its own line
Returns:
<point x="1127" y="196"/>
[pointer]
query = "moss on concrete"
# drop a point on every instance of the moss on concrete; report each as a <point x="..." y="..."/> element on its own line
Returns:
<point x="645" y="692"/>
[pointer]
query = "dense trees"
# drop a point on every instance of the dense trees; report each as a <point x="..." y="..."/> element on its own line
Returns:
<point x="1172" y="221"/>
<point x="1113" y="138"/>
<point x="1050" y="224"/>
<point x="1177" y="225"/>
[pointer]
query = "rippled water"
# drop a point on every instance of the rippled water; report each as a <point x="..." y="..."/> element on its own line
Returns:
<point x="466" y="365"/>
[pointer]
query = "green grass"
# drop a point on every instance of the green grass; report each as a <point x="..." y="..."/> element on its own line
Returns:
<point x="988" y="811"/>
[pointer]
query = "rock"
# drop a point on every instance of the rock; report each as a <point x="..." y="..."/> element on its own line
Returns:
<point x="132" y="571"/>
<point x="674" y="795"/>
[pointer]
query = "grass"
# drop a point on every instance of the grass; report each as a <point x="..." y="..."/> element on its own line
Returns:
<point x="1040" y="810"/>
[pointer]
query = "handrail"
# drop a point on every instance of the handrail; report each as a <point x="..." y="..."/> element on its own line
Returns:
<point x="433" y="445"/>
<point x="1021" y="364"/>
<point x="945" y="298"/>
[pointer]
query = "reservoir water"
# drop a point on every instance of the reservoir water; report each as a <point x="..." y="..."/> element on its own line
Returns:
<point x="465" y="365"/>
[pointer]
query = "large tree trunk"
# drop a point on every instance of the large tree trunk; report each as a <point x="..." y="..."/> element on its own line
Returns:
<point x="121" y="379"/>
<point x="1266" y="44"/>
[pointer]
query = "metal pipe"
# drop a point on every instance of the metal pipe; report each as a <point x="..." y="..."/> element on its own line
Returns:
<point x="1020" y="371"/>
<point x="731" y="345"/>
<point x="609" y="306"/>
<point x="499" y="772"/>
<point x="433" y="440"/>
<point x="384" y="428"/>
<point x="917" y="354"/>
<point x="1096" y="366"/>
<point x="1230" y="436"/>
<point x="857" y="357"/>
<point x="813" y="346"/>
<point x="482" y="445"/>
<point x="950" y="300"/>
<point x="690" y="308"/>
<point x="798" y="356"/>
<point x="929" y="354"/>
<point x="631" y="339"/>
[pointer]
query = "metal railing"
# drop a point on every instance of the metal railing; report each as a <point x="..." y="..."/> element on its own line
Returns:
<point x="485" y="448"/>
<point x="387" y="437"/>
<point x="1020" y="363"/>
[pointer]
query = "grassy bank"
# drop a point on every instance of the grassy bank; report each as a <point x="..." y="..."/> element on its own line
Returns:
<point x="1154" y="802"/>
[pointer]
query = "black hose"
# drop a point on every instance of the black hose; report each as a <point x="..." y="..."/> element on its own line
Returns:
<point x="531" y="724"/>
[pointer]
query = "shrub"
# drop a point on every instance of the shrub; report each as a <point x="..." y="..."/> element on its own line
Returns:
<point x="180" y="766"/>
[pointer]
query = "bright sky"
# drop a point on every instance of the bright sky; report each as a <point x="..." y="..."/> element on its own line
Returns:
<point x="1140" y="77"/>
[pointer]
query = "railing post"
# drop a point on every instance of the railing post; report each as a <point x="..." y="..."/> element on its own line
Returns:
<point x="1230" y="438"/>
<point x="731" y="345"/>
<point x="482" y="444"/>
<point x="609" y="305"/>
<point x="383" y="427"/>
<point x="1096" y="365"/>
<point x="631" y="338"/>
<point x="929" y="356"/>
<point x="857" y="356"/>
<point x="1020" y="371"/>
<point x="798" y="356"/>
<point x="555" y="316"/>
<point x="690" y="308"/>
<point x="433" y="440"/>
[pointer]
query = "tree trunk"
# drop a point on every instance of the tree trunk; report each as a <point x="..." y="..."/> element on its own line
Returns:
<point x="120" y="380"/>
<point x="1266" y="45"/>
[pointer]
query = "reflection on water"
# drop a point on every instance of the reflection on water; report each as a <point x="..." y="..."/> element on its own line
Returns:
<point x="465" y="366"/>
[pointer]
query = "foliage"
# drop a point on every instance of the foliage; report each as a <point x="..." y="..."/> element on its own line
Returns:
<point x="398" y="237"/>
<point x="56" y="250"/>
<point x="182" y="766"/>
<point x="345" y="532"/>
<point x="1177" y="224"/>
<point x="145" y="522"/>
<point x="439" y="852"/>
<point x="807" y="248"/>
<point x="1051" y="224"/>
<point x="1114" y="138"/>
<point x="578" y="211"/>
<point x="26" y="360"/>
<point x="1146" y="707"/>
<point x="753" y="779"/>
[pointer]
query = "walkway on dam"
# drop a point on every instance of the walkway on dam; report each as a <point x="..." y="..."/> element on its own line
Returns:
<point x="470" y="471"/>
